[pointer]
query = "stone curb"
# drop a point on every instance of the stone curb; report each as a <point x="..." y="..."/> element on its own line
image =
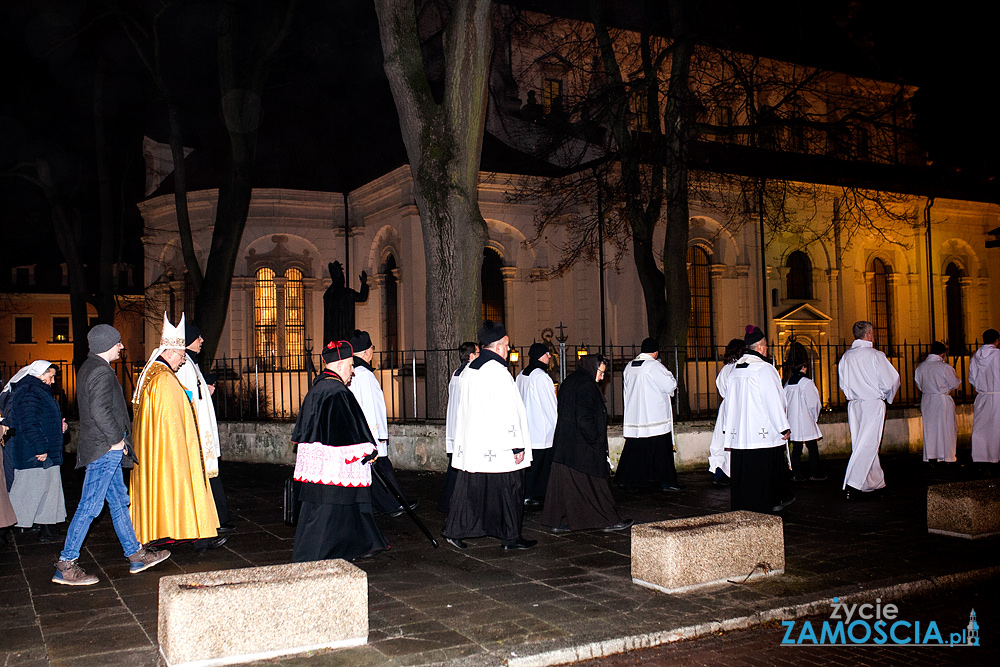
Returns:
<point x="607" y="647"/>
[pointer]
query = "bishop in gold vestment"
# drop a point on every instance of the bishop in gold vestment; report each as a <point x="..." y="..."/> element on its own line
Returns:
<point x="171" y="496"/>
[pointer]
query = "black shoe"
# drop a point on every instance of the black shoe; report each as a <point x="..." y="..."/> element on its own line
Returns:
<point x="27" y="531"/>
<point x="721" y="481"/>
<point x="457" y="543"/>
<point x="226" y="528"/>
<point x="783" y="504"/>
<point x="671" y="487"/>
<point x="6" y="537"/>
<point x="49" y="533"/>
<point x="367" y="554"/>
<point x="621" y="525"/>
<point x="520" y="544"/>
<point x="201" y="546"/>
<point x="400" y="510"/>
<point x="799" y="478"/>
<point x="852" y="494"/>
<point x="818" y="477"/>
<point x="532" y="504"/>
<point x="558" y="529"/>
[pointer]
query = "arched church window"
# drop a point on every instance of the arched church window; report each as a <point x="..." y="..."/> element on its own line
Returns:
<point x="880" y="304"/>
<point x="295" y="319"/>
<point x="492" y="285"/>
<point x="391" y="305"/>
<point x="799" y="280"/>
<point x="700" y="330"/>
<point x="956" y="309"/>
<point x="265" y="311"/>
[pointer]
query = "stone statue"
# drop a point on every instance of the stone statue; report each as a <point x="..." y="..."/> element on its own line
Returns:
<point x="338" y="304"/>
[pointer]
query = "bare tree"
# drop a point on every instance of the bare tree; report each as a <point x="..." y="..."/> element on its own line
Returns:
<point x="661" y="117"/>
<point x="249" y="42"/>
<point x="443" y="139"/>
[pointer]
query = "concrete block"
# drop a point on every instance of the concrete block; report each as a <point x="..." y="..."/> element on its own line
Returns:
<point x="230" y="616"/>
<point x="964" y="509"/>
<point x="684" y="554"/>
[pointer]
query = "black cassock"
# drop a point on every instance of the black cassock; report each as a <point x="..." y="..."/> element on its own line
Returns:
<point x="335" y="521"/>
<point x="579" y="490"/>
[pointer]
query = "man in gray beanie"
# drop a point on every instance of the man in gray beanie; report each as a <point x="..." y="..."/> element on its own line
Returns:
<point x="105" y="447"/>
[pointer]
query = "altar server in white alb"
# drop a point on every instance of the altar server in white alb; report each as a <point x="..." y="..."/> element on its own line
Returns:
<point x="984" y="374"/>
<point x="368" y="392"/>
<point x="756" y="431"/>
<point x="539" y="395"/>
<point x="467" y="351"/>
<point x="199" y="391"/>
<point x="802" y="405"/>
<point x="936" y="379"/>
<point x="492" y="448"/>
<point x="648" y="455"/>
<point x="869" y="381"/>
<point x="718" y="456"/>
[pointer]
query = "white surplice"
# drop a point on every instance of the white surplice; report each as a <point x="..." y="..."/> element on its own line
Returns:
<point x="368" y="391"/>
<point x="491" y="421"/>
<point x="648" y="388"/>
<point x="718" y="457"/>
<point x="190" y="377"/>
<point x="984" y="374"/>
<point x="539" y="395"/>
<point x="454" y="389"/>
<point x="803" y="406"/>
<point x="755" y="414"/>
<point x="869" y="381"/>
<point x="936" y="380"/>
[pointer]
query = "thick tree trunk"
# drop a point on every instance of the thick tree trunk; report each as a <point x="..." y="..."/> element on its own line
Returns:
<point x="443" y="143"/>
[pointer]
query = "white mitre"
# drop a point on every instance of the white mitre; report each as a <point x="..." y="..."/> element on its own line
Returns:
<point x="171" y="338"/>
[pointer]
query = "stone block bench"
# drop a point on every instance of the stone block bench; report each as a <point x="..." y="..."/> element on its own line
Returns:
<point x="230" y="616"/>
<point x="684" y="554"/>
<point x="964" y="509"/>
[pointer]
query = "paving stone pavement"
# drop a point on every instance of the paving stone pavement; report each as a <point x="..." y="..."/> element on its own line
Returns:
<point x="568" y="599"/>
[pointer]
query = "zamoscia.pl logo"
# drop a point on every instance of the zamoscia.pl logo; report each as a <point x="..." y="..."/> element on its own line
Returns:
<point x="875" y="625"/>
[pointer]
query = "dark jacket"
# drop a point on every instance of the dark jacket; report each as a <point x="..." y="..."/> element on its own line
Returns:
<point x="581" y="438"/>
<point x="104" y="419"/>
<point x="38" y="425"/>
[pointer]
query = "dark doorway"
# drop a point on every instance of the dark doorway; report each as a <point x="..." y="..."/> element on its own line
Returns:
<point x="494" y="307"/>
<point x="391" y="305"/>
<point x="956" y="309"/>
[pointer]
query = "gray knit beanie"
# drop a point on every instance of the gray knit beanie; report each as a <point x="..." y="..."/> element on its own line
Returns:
<point x="102" y="338"/>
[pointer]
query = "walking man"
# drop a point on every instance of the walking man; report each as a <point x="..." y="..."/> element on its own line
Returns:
<point x="368" y="392"/>
<point x="333" y="439"/>
<point x="200" y="391"/>
<point x="539" y="395"/>
<point x="648" y="455"/>
<point x="984" y="374"/>
<point x="171" y="495"/>
<point x="492" y="448"/>
<point x="936" y="379"/>
<point x="467" y="352"/>
<point x="105" y="447"/>
<point x="757" y="430"/>
<point x="869" y="382"/>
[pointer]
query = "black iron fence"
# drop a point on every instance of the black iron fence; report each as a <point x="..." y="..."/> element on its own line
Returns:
<point x="272" y="388"/>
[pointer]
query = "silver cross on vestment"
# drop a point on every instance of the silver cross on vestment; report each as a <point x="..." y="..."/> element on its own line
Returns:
<point x="489" y="455"/>
<point x="763" y="432"/>
<point x="513" y="431"/>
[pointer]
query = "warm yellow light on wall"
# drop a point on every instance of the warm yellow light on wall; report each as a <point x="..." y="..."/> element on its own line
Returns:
<point x="514" y="356"/>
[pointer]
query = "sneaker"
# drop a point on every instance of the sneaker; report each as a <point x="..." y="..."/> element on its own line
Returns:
<point x="71" y="574"/>
<point x="143" y="559"/>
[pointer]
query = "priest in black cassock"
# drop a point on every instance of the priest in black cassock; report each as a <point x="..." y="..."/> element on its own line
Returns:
<point x="332" y="434"/>
<point x="578" y="496"/>
<point x="492" y="449"/>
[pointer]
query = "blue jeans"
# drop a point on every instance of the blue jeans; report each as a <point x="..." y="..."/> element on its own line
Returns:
<point x="103" y="481"/>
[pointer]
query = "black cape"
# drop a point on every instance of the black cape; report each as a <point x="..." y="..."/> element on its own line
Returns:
<point x="331" y="415"/>
<point x="581" y="438"/>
